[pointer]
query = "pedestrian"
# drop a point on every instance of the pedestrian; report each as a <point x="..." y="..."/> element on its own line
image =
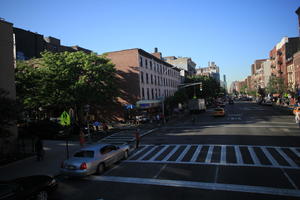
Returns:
<point x="105" y="127"/>
<point x="158" y="118"/>
<point x="297" y="118"/>
<point x="39" y="149"/>
<point x="81" y="138"/>
<point x="137" y="138"/>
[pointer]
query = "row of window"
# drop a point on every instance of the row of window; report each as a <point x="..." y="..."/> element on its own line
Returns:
<point x="157" y="80"/>
<point x="152" y="93"/>
<point x="157" y="67"/>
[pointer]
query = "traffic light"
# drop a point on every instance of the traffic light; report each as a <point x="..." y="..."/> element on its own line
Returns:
<point x="200" y="86"/>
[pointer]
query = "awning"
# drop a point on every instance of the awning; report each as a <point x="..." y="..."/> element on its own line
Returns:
<point x="143" y="104"/>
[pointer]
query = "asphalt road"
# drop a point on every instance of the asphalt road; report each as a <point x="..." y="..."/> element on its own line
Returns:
<point x="251" y="153"/>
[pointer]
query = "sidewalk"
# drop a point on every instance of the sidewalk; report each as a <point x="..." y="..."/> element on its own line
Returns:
<point x="55" y="153"/>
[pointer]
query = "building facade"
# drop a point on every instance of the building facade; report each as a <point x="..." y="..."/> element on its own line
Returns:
<point x="185" y="64"/>
<point x="7" y="63"/>
<point x="31" y="45"/>
<point x="143" y="76"/>
<point x="212" y="70"/>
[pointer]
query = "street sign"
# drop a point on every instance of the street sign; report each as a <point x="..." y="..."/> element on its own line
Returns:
<point x="65" y="119"/>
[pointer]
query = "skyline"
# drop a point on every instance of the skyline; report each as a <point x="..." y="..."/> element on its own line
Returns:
<point x="232" y="34"/>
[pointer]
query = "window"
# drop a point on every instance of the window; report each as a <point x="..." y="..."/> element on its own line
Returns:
<point x="141" y="62"/>
<point x="143" y="93"/>
<point x="151" y="79"/>
<point x="84" y="154"/>
<point x="148" y="94"/>
<point x="147" y="78"/>
<point x="156" y="93"/>
<point x="142" y="77"/>
<point x="150" y="65"/>
<point x="152" y="92"/>
<point x="146" y="63"/>
<point x="154" y="80"/>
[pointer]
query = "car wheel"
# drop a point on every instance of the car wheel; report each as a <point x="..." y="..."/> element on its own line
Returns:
<point x="100" y="168"/>
<point x="125" y="155"/>
<point x="42" y="195"/>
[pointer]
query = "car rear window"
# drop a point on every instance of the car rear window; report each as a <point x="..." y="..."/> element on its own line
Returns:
<point x="84" y="154"/>
<point x="218" y="109"/>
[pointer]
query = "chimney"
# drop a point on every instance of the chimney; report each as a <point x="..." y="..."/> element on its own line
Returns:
<point x="155" y="50"/>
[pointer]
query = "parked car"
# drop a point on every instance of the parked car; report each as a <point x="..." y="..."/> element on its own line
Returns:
<point x="219" y="112"/>
<point x="30" y="187"/>
<point x="231" y="101"/>
<point x="93" y="159"/>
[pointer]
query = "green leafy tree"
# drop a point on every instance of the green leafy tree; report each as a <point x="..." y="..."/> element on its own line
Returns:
<point x="66" y="80"/>
<point x="276" y="85"/>
<point x="8" y="113"/>
<point x="210" y="87"/>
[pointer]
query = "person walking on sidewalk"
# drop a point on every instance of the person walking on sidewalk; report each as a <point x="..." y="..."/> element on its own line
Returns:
<point x="39" y="149"/>
<point x="297" y="118"/>
<point x="137" y="138"/>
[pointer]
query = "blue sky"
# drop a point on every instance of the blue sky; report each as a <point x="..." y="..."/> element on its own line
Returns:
<point x="233" y="33"/>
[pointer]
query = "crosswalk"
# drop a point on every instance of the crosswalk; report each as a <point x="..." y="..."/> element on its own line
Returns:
<point x="233" y="155"/>
<point x="123" y="137"/>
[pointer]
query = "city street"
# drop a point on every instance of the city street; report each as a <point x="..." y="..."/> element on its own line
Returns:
<point x="251" y="153"/>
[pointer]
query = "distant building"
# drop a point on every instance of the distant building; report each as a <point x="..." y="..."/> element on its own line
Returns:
<point x="185" y="64"/>
<point x="267" y="72"/>
<point x="224" y="83"/>
<point x="7" y="62"/>
<point x="30" y="45"/>
<point x="212" y="70"/>
<point x="257" y="76"/>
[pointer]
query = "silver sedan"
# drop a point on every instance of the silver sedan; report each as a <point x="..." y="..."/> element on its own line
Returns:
<point x="93" y="159"/>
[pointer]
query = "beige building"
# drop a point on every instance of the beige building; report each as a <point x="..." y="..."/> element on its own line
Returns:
<point x="7" y="62"/>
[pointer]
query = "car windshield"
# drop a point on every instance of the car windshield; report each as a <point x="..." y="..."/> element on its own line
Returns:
<point x="84" y="154"/>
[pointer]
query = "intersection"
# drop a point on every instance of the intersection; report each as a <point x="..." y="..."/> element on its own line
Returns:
<point x="251" y="153"/>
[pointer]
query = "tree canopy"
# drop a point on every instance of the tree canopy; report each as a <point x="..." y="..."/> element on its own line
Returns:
<point x="65" y="80"/>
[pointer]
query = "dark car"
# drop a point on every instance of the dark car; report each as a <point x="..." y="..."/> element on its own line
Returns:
<point x="30" y="187"/>
<point x="231" y="101"/>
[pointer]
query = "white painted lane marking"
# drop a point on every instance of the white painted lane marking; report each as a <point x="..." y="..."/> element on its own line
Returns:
<point x="209" y="154"/>
<point x="286" y="157"/>
<point x="139" y="151"/>
<point x="293" y="149"/>
<point x="158" y="153"/>
<point x="269" y="156"/>
<point x="238" y="155"/>
<point x="212" y="163"/>
<point x="171" y="153"/>
<point x="200" y="185"/>
<point x="289" y="179"/>
<point x="253" y="156"/>
<point x="196" y="153"/>
<point x="146" y="154"/>
<point x="223" y="154"/>
<point x="187" y="148"/>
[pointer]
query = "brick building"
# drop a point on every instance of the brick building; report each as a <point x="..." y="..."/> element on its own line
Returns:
<point x="143" y="76"/>
<point x="212" y="70"/>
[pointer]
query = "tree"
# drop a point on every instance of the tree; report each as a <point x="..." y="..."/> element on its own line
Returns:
<point x="276" y="85"/>
<point x="8" y="113"/>
<point x="210" y="87"/>
<point x="65" y="80"/>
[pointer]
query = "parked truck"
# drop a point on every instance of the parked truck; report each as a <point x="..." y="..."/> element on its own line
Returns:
<point x="196" y="105"/>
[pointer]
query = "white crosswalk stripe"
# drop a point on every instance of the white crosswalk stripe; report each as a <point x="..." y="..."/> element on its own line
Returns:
<point x="238" y="154"/>
<point x="183" y="153"/>
<point x="253" y="156"/>
<point x="196" y="154"/>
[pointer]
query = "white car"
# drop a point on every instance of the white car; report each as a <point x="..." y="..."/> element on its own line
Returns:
<point x="93" y="159"/>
